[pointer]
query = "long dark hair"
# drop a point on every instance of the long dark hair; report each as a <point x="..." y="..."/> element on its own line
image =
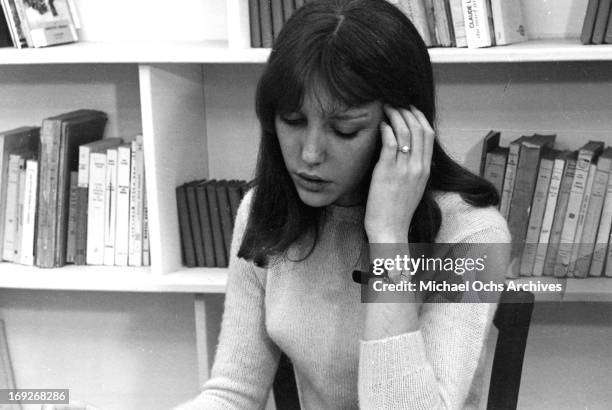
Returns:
<point x="360" y="51"/>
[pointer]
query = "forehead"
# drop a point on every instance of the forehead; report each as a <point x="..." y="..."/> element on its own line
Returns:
<point x="319" y="101"/>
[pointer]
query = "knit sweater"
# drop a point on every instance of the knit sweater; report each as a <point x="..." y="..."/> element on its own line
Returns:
<point x="311" y="311"/>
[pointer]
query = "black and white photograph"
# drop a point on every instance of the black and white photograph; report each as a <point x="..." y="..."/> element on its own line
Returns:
<point x="305" y="204"/>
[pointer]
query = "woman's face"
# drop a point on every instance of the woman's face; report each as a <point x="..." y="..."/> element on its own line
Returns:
<point x="328" y="151"/>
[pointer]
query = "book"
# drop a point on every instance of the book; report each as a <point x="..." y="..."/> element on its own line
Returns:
<point x="14" y="23"/>
<point x="71" y="238"/>
<point x="603" y="234"/>
<point x="288" y="9"/>
<point x="601" y="21"/>
<point x="431" y="21"/>
<point x="508" y="22"/>
<point x="96" y="202"/>
<point x="110" y="205"/>
<point x="584" y="206"/>
<point x="235" y="195"/>
<point x="608" y="36"/>
<point x="490" y="141"/>
<point x="510" y="175"/>
<point x="215" y="222"/>
<point x="560" y="211"/>
<point x="458" y="20"/>
<point x="146" y="243"/>
<point x="415" y="11"/>
<point x="442" y="24"/>
<point x="29" y="213"/>
<point x="254" y="23"/>
<point x="6" y="38"/>
<point x="536" y="214"/>
<point x="265" y="13"/>
<point x="19" y="141"/>
<point x="60" y="138"/>
<point x="520" y="205"/>
<point x="205" y="224"/>
<point x="136" y="203"/>
<point x="586" y="245"/>
<point x="47" y="22"/>
<point x="11" y="221"/>
<point x="188" y="251"/>
<point x="277" y="17"/>
<point x="549" y="212"/>
<point x="495" y="167"/>
<point x="225" y="214"/>
<point x="194" y="222"/>
<point x="122" y="223"/>
<point x="589" y="22"/>
<point x="478" y="23"/>
<point x="586" y="154"/>
<point x="82" y="207"/>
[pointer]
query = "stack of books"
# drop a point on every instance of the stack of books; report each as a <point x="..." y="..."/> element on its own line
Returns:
<point x="558" y="204"/>
<point x="37" y="23"/>
<point x="69" y="196"/>
<point x="597" y="26"/>
<point x="267" y="17"/>
<point x="207" y="210"/>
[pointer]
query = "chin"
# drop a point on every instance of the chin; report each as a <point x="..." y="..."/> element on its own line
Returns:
<point x="315" y="199"/>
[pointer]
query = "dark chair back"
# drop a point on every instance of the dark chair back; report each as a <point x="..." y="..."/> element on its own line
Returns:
<point x="512" y="320"/>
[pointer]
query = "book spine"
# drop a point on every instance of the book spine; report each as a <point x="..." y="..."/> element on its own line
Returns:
<point x="187" y="247"/>
<point x="24" y="27"/>
<point x="255" y="26"/>
<point x="136" y="204"/>
<point x="415" y="11"/>
<point x="110" y="206"/>
<point x="194" y="221"/>
<point x="205" y="225"/>
<point x="584" y="206"/>
<point x="458" y="23"/>
<point x="478" y="23"/>
<point x="608" y="37"/>
<point x="277" y="17"/>
<point x="29" y="213"/>
<point x="601" y="21"/>
<point x="146" y="243"/>
<point x="509" y="177"/>
<point x="265" y="13"/>
<point x="547" y="219"/>
<point x="215" y="222"/>
<point x="80" y="253"/>
<point x="586" y="246"/>
<point x="19" y="215"/>
<point x="495" y="167"/>
<point x="122" y="233"/>
<point x="72" y="218"/>
<point x="288" y="9"/>
<point x="442" y="24"/>
<point x="603" y="234"/>
<point x="589" y="22"/>
<point x="559" y="219"/>
<point x="535" y="216"/>
<point x="508" y="21"/>
<point x="573" y="210"/>
<point x="95" y="212"/>
<point x="431" y="21"/>
<point x="225" y="212"/>
<point x="10" y="215"/>
<point x="47" y="198"/>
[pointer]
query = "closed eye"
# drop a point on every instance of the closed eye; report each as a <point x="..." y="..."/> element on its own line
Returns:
<point x="293" y="121"/>
<point x="345" y="134"/>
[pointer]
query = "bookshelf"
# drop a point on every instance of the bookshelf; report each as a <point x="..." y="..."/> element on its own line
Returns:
<point x="192" y="97"/>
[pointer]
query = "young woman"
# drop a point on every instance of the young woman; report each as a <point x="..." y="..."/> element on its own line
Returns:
<point x="349" y="160"/>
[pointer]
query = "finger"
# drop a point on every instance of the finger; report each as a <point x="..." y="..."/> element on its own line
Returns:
<point x="417" y="134"/>
<point x="400" y="127"/>
<point x="389" y="143"/>
<point x="430" y="135"/>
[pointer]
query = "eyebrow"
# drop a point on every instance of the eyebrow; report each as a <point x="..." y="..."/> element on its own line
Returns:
<point x="346" y="116"/>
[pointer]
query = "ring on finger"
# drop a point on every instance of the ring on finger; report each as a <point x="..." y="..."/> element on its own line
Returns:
<point x="404" y="149"/>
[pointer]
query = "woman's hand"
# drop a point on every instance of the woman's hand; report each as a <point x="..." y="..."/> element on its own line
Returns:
<point x="399" y="178"/>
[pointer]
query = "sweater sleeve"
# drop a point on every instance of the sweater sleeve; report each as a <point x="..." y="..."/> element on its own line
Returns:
<point x="246" y="358"/>
<point x="433" y="367"/>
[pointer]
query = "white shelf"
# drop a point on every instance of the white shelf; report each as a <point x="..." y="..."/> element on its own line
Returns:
<point x="112" y="279"/>
<point x="213" y="280"/>
<point x="216" y="51"/>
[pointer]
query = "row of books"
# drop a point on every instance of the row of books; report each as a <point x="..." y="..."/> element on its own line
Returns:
<point x="597" y="25"/>
<point x="69" y="196"/>
<point x="37" y="23"/>
<point x="207" y="210"/>
<point x="558" y="204"/>
<point x="441" y="23"/>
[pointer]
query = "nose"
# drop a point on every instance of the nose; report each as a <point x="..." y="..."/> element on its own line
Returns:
<point x="313" y="146"/>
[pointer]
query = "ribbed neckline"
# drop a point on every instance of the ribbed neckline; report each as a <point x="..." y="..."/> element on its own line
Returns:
<point x="355" y="213"/>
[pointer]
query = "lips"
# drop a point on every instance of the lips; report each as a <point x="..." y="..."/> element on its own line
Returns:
<point x="310" y="182"/>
